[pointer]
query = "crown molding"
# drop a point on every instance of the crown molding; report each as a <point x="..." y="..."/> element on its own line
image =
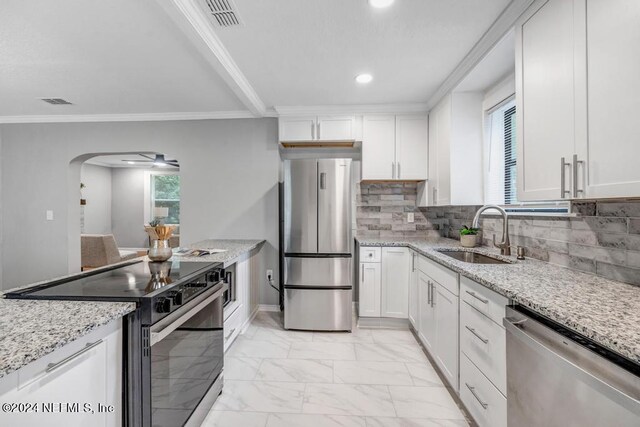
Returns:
<point x="489" y="39"/>
<point x="143" y="117"/>
<point x="284" y="110"/>
<point x="193" y="21"/>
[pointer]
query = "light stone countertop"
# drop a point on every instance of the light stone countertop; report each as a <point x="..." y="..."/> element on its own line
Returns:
<point x="604" y="310"/>
<point x="31" y="329"/>
<point x="233" y="249"/>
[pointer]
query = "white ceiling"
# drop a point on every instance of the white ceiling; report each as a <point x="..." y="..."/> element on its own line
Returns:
<point x="131" y="57"/>
<point x="498" y="63"/>
<point x="308" y="52"/>
<point x="106" y="57"/>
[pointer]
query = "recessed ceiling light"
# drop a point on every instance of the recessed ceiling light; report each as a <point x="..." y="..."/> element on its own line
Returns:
<point x="379" y="4"/>
<point x="364" y="78"/>
<point x="131" y="163"/>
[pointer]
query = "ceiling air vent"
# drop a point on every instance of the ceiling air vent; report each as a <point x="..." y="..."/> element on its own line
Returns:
<point x="223" y="12"/>
<point x="56" y="101"/>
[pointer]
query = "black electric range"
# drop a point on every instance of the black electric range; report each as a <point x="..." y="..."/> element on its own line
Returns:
<point x="174" y="340"/>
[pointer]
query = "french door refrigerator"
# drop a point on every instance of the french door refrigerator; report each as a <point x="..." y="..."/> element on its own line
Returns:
<point x="317" y="244"/>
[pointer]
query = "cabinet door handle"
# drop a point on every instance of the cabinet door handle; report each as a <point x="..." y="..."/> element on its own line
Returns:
<point x="433" y="294"/>
<point x="398" y="170"/>
<point x="230" y="333"/>
<point x="473" y="294"/>
<point x="362" y="274"/>
<point x="473" y="391"/>
<point x="313" y="131"/>
<point x="393" y="170"/>
<point x="576" y="162"/>
<point x="54" y="366"/>
<point x="318" y="132"/>
<point x="563" y="166"/>
<point x="429" y="292"/>
<point x="323" y="180"/>
<point x="435" y="197"/>
<point x="473" y="331"/>
<point x="413" y="262"/>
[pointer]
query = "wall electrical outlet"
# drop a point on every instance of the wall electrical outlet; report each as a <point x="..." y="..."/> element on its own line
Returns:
<point x="410" y="217"/>
<point x="49" y="215"/>
<point x="269" y="275"/>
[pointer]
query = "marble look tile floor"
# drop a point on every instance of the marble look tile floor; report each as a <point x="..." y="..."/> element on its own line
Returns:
<point x="367" y="378"/>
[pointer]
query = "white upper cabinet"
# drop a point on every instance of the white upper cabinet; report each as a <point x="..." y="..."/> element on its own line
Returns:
<point x="612" y="146"/>
<point x="545" y="100"/>
<point x="297" y="128"/>
<point x="411" y="147"/>
<point x="455" y="151"/>
<point x="394" y="147"/>
<point x="576" y="82"/>
<point x="378" y="147"/>
<point x="335" y="128"/>
<point x="317" y="128"/>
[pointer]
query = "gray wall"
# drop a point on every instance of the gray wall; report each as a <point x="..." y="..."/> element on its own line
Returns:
<point x="127" y="207"/>
<point x="229" y="184"/>
<point x="97" y="211"/>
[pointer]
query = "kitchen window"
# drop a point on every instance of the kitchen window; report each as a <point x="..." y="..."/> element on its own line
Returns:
<point x="501" y="169"/>
<point x="164" y="190"/>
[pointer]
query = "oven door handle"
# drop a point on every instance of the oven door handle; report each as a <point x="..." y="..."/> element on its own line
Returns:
<point x="173" y="321"/>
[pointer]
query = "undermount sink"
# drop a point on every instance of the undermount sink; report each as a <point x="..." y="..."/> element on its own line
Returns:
<point x="473" y="257"/>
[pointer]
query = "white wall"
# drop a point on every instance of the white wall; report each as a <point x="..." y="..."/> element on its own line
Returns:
<point x="97" y="193"/>
<point x="127" y="207"/>
<point x="229" y="186"/>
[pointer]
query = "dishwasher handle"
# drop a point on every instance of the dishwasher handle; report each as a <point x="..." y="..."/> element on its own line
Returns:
<point x="589" y="367"/>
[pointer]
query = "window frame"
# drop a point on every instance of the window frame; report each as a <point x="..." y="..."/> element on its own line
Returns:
<point x="148" y="193"/>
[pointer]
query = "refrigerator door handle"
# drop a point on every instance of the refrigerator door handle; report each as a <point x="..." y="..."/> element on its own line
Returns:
<point x="323" y="180"/>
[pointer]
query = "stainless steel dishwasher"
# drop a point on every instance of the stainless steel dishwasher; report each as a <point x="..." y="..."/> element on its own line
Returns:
<point x="556" y="377"/>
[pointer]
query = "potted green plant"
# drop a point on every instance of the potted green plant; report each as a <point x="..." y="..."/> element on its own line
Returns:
<point x="468" y="237"/>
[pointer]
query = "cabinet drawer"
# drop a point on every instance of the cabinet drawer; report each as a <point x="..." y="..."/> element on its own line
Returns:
<point x="232" y="326"/>
<point x="489" y="303"/>
<point x="483" y="341"/>
<point x="485" y="403"/>
<point x="442" y="275"/>
<point x="370" y="254"/>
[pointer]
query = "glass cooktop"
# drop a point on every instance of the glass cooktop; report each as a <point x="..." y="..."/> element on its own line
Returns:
<point x="126" y="283"/>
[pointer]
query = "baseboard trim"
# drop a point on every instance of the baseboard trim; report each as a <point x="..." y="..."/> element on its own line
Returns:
<point x="247" y="322"/>
<point x="268" y="307"/>
<point x="382" y="323"/>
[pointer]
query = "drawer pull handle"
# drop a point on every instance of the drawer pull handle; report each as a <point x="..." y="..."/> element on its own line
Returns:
<point x="54" y="366"/>
<point x="229" y="335"/>
<point x="473" y="391"/>
<point x="473" y="294"/>
<point x="473" y="331"/>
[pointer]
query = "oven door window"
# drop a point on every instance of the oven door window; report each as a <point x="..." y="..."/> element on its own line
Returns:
<point x="185" y="364"/>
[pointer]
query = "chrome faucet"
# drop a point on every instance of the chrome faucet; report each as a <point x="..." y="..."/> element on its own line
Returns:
<point x="505" y="245"/>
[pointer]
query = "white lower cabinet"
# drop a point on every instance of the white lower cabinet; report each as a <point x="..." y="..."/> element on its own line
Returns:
<point x="487" y="405"/>
<point x="427" y="313"/>
<point x="369" y="290"/>
<point x="414" y="300"/>
<point x="446" y="352"/>
<point x="383" y="285"/>
<point x="87" y="371"/>
<point x="396" y="265"/>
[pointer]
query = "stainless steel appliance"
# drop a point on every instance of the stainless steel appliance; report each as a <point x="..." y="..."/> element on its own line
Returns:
<point x="174" y="341"/>
<point x="558" y="378"/>
<point x="317" y="244"/>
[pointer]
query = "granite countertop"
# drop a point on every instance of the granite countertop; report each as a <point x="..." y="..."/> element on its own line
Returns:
<point x="604" y="310"/>
<point x="232" y="250"/>
<point x="30" y="329"/>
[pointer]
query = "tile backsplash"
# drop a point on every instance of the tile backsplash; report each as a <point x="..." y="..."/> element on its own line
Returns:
<point x="603" y="240"/>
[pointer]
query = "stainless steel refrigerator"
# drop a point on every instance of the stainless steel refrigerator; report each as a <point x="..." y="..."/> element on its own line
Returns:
<point x="317" y="244"/>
